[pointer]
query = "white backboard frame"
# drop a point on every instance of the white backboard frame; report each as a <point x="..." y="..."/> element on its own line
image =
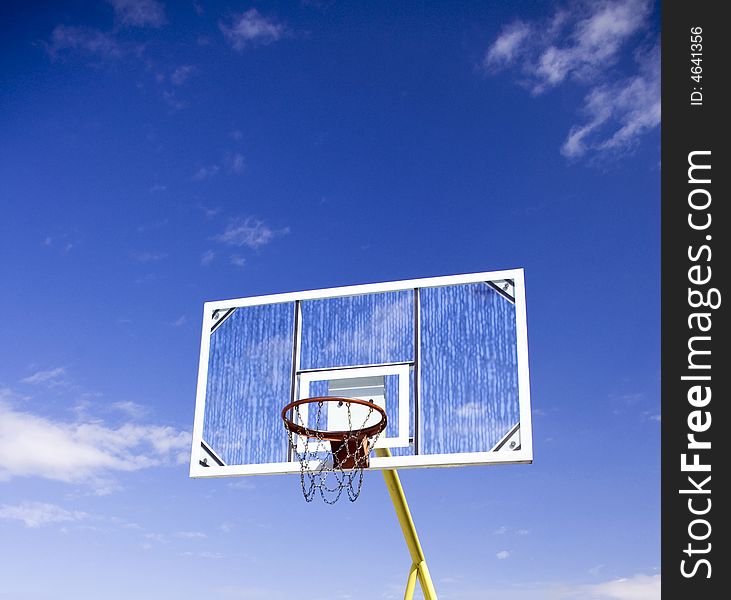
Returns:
<point x="522" y="455"/>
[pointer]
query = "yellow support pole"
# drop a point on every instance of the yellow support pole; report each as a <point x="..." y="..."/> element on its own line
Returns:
<point x="411" y="582"/>
<point x="418" y="566"/>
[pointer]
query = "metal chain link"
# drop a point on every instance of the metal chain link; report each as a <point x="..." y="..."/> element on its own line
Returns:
<point x="316" y="477"/>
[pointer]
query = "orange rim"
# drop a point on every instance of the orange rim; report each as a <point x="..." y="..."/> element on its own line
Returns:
<point x="334" y="436"/>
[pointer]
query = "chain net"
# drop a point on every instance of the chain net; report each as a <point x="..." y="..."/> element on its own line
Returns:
<point x="328" y="467"/>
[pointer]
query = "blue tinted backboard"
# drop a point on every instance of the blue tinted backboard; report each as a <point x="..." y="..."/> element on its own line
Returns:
<point x="447" y="358"/>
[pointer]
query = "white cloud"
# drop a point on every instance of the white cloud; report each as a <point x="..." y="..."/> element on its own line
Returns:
<point x="249" y="232"/>
<point x="207" y="257"/>
<point x="226" y="527"/>
<point x="208" y="211"/>
<point x="470" y="410"/>
<point x="145" y="257"/>
<point x="508" y="45"/>
<point x="86" y="451"/>
<point x="618" y="113"/>
<point x="138" y="13"/>
<point x="181" y="74"/>
<point x="173" y="101"/>
<point x="55" y="377"/>
<point x="252" y="28"/>
<point x="7" y="395"/>
<point x="237" y="163"/>
<point x="131" y="409"/>
<point x="212" y="555"/>
<point x="249" y="593"/>
<point x="85" y="39"/>
<point x="61" y="242"/>
<point x="206" y="172"/>
<point x="243" y="483"/>
<point x="191" y="535"/>
<point x="595" y="570"/>
<point x="37" y="514"/>
<point x="639" y="587"/>
<point x="502" y="530"/>
<point x="583" y="45"/>
<point x="237" y="261"/>
<point x="179" y="322"/>
<point x="502" y="555"/>
<point x="579" y="44"/>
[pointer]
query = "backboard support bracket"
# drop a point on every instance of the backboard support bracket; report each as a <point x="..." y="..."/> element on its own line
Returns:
<point x="510" y="442"/>
<point x="504" y="287"/>
<point x="207" y="453"/>
<point x="219" y="316"/>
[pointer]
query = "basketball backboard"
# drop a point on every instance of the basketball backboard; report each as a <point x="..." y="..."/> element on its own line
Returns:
<point x="446" y="357"/>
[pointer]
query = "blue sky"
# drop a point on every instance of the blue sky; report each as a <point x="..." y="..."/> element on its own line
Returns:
<point x="157" y="155"/>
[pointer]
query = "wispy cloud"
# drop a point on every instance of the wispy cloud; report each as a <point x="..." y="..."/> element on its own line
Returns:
<point x="84" y="39"/>
<point x="502" y="530"/>
<point x="596" y="570"/>
<point x="251" y="28"/>
<point x="578" y="44"/>
<point x="582" y="46"/>
<point x="249" y="232"/>
<point x="138" y="13"/>
<point x="244" y="592"/>
<point x="38" y="514"/>
<point x="146" y="257"/>
<point x="236" y="163"/>
<point x="191" y="535"/>
<point x="206" y="172"/>
<point x="63" y="242"/>
<point x="209" y="212"/>
<point x="182" y="74"/>
<point x="639" y="587"/>
<point x="237" y="261"/>
<point x="508" y="46"/>
<point x="244" y="483"/>
<point x="470" y="410"/>
<point x="179" y="322"/>
<point x="207" y="257"/>
<point x="172" y="100"/>
<point x="86" y="451"/>
<point x="618" y="113"/>
<point x="54" y="377"/>
<point x="131" y="409"/>
<point x="210" y="555"/>
<point x="106" y="45"/>
<point x="502" y="555"/>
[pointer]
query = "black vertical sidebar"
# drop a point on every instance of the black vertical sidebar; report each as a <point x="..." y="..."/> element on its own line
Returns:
<point x="696" y="44"/>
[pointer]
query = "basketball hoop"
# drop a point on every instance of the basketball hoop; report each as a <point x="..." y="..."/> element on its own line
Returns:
<point x="332" y="461"/>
